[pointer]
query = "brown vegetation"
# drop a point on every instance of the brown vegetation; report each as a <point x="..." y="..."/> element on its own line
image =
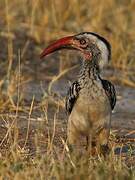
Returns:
<point x="32" y="122"/>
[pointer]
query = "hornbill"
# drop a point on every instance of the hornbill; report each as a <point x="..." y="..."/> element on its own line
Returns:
<point x="90" y="99"/>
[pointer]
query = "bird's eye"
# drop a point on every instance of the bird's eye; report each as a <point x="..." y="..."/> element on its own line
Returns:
<point x="82" y="41"/>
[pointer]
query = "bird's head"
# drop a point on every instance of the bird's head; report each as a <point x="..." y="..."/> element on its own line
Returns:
<point x="93" y="47"/>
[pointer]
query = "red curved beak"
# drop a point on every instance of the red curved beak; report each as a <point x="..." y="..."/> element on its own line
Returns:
<point x="66" y="42"/>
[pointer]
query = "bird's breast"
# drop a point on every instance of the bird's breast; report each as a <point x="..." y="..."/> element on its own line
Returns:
<point x="91" y="110"/>
<point x="93" y="102"/>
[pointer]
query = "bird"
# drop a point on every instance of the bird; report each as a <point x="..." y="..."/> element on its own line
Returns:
<point x="90" y="99"/>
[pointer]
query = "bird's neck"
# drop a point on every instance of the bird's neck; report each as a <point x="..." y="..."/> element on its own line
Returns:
<point x="89" y="73"/>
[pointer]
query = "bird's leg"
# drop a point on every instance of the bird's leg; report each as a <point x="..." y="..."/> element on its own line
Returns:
<point x="87" y="142"/>
<point x="73" y="136"/>
<point x="91" y="145"/>
<point x="102" y="140"/>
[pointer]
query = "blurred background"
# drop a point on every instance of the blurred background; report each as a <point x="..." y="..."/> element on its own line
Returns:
<point x="27" y="26"/>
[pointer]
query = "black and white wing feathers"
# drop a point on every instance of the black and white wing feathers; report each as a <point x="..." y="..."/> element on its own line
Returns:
<point x="72" y="96"/>
<point x="110" y="92"/>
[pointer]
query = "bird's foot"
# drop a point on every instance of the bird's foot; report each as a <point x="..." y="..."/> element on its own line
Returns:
<point x="104" y="150"/>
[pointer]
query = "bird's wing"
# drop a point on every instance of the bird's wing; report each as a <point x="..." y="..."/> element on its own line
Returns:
<point x="72" y="95"/>
<point x="110" y="92"/>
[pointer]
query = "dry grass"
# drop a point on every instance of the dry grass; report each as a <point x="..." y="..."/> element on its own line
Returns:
<point x="32" y="135"/>
<point x="43" y="21"/>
